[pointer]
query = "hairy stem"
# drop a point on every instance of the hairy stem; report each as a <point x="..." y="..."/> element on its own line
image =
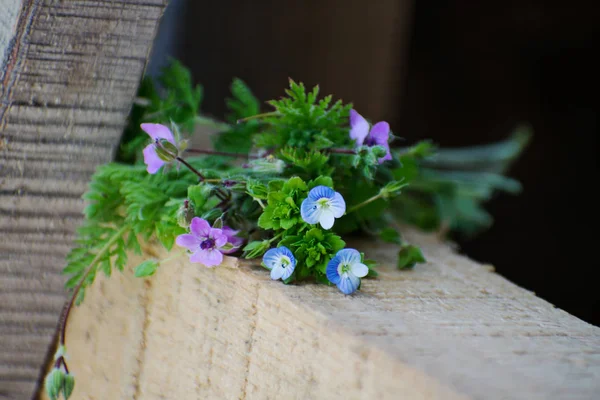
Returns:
<point x="69" y="305"/>
<point x="194" y="170"/>
<point x="342" y="151"/>
<point x="221" y="153"/>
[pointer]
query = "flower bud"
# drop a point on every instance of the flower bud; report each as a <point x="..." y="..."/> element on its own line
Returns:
<point x="165" y="150"/>
<point x="185" y="214"/>
<point x="54" y="383"/>
<point x="268" y="164"/>
<point x="68" y="385"/>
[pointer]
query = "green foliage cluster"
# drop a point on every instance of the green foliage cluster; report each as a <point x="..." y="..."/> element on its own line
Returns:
<point x="302" y="143"/>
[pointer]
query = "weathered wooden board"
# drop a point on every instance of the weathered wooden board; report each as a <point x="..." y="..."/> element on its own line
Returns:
<point x="449" y="329"/>
<point x="69" y="71"/>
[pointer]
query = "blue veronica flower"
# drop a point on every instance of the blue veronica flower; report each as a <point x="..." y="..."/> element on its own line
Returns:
<point x="345" y="270"/>
<point x="322" y="205"/>
<point x="281" y="262"/>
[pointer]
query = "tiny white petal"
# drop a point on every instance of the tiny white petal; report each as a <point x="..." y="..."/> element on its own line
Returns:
<point x="359" y="269"/>
<point x="326" y="219"/>
<point x="277" y="272"/>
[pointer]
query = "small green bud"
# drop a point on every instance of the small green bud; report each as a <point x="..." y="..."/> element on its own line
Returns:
<point x="268" y="164"/>
<point x="392" y="189"/>
<point x="218" y="224"/>
<point x="68" y="385"/>
<point x="185" y="214"/>
<point x="166" y="150"/>
<point x="54" y="383"/>
<point x="212" y="215"/>
<point x="256" y="248"/>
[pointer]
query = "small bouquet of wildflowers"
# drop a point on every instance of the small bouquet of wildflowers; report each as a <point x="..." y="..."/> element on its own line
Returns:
<point x="283" y="188"/>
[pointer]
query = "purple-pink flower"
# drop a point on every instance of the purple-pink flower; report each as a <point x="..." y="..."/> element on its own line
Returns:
<point x="364" y="134"/>
<point x="235" y="241"/>
<point x="163" y="148"/>
<point x="206" y="243"/>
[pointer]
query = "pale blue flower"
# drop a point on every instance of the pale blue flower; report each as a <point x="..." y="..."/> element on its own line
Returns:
<point x="281" y="262"/>
<point x="322" y="205"/>
<point x="345" y="270"/>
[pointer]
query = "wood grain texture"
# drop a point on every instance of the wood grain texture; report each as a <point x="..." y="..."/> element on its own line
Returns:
<point x="68" y="72"/>
<point x="450" y="329"/>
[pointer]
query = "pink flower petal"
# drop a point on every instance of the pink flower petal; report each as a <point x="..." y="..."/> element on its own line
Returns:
<point x="191" y="242"/>
<point x="380" y="133"/>
<point x="220" y="239"/>
<point x="200" y="228"/>
<point x="151" y="159"/>
<point x="359" y="127"/>
<point x="210" y="258"/>
<point x="158" y="131"/>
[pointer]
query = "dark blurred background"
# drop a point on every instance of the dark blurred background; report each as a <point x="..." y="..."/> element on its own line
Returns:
<point x="458" y="72"/>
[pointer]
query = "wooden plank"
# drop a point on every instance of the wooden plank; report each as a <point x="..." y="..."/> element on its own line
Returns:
<point x="68" y="74"/>
<point x="449" y="329"/>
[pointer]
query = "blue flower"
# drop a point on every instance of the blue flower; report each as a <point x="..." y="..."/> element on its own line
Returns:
<point x="281" y="262"/>
<point x="322" y="205"/>
<point x="345" y="270"/>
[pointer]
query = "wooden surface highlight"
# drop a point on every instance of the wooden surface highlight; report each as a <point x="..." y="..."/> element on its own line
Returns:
<point x="449" y="329"/>
<point x="69" y="71"/>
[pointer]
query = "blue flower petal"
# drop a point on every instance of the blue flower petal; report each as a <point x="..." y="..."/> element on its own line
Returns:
<point x="332" y="270"/>
<point x="319" y="192"/>
<point x="310" y="211"/>
<point x="271" y="258"/>
<point x="273" y="261"/>
<point x="337" y="205"/>
<point x="348" y="256"/>
<point x="348" y="284"/>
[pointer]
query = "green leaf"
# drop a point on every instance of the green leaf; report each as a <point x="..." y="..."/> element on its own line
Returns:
<point x="104" y="266"/>
<point x="390" y="235"/>
<point x="164" y="233"/>
<point x="146" y="268"/>
<point x="408" y="256"/>
<point x="243" y="104"/>
<point x="321" y="181"/>
<point x="256" y="248"/>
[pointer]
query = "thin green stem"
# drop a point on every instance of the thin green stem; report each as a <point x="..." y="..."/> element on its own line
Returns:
<point x="364" y="203"/>
<point x="275" y="237"/>
<point x="257" y="116"/>
<point x="69" y="305"/>
<point x="342" y="151"/>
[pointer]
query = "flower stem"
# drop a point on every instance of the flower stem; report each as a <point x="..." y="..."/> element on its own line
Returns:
<point x="257" y="116"/>
<point x="69" y="305"/>
<point x="194" y="170"/>
<point x="275" y="237"/>
<point x="342" y="151"/>
<point x="221" y="153"/>
<point x="364" y="203"/>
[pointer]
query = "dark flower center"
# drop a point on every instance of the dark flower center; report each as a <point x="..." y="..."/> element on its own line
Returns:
<point x="369" y="141"/>
<point x="207" y="244"/>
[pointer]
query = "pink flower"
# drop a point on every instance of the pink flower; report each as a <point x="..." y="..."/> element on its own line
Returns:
<point x="163" y="148"/>
<point x="363" y="134"/>
<point x="204" y="242"/>
<point x="232" y="239"/>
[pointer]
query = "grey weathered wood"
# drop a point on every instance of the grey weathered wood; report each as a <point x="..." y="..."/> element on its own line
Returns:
<point x="68" y="72"/>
